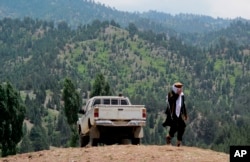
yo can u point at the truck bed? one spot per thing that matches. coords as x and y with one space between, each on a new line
121 112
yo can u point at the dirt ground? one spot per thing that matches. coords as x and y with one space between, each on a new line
122 153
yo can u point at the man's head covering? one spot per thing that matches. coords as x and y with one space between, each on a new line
177 85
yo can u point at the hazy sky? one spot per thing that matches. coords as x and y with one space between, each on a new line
214 8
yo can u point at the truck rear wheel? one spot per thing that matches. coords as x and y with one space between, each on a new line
95 141
136 141
125 141
84 140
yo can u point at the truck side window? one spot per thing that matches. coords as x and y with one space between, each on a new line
114 102
106 101
124 102
96 102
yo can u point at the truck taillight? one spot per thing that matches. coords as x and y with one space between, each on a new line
144 113
96 113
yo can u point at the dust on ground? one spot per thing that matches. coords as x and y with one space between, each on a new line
122 153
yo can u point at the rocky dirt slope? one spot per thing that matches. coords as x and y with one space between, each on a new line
122 153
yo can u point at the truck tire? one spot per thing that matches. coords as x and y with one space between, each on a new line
125 141
95 142
84 140
136 141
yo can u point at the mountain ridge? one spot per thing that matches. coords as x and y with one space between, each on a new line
84 12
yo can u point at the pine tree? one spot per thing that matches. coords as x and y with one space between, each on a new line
71 100
12 113
39 138
100 87
26 145
63 131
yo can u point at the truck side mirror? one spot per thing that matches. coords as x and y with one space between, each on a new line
81 111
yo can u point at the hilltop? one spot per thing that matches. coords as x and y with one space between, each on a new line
122 153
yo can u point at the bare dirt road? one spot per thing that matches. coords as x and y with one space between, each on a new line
122 153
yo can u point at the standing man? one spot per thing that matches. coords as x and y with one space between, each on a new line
177 112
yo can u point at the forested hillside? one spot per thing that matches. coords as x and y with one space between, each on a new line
37 54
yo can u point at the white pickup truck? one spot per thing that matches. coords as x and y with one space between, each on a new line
110 120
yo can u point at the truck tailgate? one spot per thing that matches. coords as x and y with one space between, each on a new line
126 112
